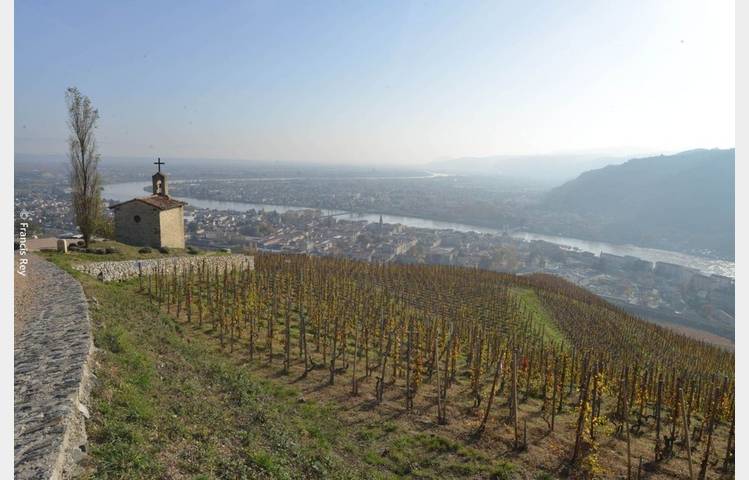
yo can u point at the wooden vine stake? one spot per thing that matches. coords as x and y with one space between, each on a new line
554 394
581 419
729 451
140 277
658 419
710 428
515 394
489 400
626 425
686 432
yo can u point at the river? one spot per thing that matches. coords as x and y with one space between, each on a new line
127 190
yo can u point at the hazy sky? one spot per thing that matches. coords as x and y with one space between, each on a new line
377 82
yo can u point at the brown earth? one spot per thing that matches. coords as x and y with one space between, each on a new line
546 450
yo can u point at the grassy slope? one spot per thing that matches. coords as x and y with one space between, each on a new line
541 317
169 404
124 252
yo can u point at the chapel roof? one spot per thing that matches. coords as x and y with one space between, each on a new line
162 202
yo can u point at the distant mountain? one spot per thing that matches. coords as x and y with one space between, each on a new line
683 201
548 169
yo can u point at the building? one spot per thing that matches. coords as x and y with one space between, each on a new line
155 221
614 263
675 272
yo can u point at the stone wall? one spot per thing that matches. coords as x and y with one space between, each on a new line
123 270
52 380
145 232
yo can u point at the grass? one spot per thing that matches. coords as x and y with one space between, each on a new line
540 315
169 404
433 456
124 252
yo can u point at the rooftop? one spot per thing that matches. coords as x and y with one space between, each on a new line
161 202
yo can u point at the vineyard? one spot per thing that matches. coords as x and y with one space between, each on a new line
506 363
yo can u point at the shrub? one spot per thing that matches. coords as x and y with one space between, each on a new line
164 249
145 250
104 227
111 339
109 250
192 250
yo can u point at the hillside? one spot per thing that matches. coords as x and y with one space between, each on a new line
544 169
309 367
682 201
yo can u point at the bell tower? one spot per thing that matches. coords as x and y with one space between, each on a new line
158 181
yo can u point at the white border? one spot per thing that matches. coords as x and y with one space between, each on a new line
6 220
742 145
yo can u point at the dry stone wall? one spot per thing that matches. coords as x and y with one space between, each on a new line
52 377
123 270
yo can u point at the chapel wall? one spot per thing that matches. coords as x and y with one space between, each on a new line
146 232
173 228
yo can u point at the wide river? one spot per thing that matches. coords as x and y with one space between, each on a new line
125 191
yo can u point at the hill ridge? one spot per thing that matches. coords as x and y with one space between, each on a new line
661 201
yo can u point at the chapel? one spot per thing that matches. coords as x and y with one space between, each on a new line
153 221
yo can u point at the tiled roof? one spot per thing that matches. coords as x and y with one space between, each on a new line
157 201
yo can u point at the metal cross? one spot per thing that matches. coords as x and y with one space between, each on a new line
159 163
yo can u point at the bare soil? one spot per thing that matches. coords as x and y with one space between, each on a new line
546 450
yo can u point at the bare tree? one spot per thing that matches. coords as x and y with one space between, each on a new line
85 181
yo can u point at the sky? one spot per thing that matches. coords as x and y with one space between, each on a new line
386 82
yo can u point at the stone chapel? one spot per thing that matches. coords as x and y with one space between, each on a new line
154 221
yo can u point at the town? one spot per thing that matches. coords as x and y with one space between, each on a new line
662 292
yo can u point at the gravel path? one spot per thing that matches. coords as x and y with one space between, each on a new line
21 299
52 349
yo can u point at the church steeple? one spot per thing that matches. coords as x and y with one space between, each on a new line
159 181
